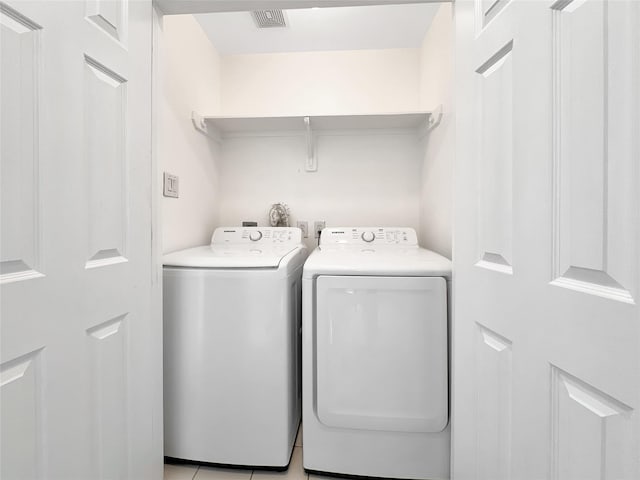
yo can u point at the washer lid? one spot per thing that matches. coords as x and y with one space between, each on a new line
229 256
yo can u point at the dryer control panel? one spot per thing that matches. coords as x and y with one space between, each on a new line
256 235
404 236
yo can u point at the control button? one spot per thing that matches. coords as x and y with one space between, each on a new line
255 236
368 236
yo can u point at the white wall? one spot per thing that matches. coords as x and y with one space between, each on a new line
436 88
317 83
362 179
190 80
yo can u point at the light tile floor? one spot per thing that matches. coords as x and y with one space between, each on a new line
195 472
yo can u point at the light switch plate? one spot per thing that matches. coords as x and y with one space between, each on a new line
170 185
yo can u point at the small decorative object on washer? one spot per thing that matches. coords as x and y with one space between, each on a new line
279 215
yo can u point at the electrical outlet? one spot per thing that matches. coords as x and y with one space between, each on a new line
304 226
318 225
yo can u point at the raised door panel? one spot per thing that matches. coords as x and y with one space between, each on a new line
110 16
106 163
19 161
493 364
596 131
494 120
591 432
21 406
487 10
109 389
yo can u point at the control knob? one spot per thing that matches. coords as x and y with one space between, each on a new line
368 236
255 235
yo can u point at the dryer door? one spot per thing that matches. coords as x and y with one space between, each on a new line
381 346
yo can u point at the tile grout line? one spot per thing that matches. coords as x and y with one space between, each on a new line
195 473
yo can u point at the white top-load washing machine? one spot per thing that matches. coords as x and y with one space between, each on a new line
232 313
375 356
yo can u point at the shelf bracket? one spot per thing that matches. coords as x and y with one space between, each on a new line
435 118
199 123
311 164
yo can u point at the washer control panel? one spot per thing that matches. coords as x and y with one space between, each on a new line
257 235
369 236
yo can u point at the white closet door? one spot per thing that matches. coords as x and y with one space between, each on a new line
547 240
381 347
80 370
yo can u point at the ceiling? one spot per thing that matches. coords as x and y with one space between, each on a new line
322 29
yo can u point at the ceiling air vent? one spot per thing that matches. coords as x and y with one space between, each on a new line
269 18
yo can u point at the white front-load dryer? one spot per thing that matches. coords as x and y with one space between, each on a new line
375 356
232 313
